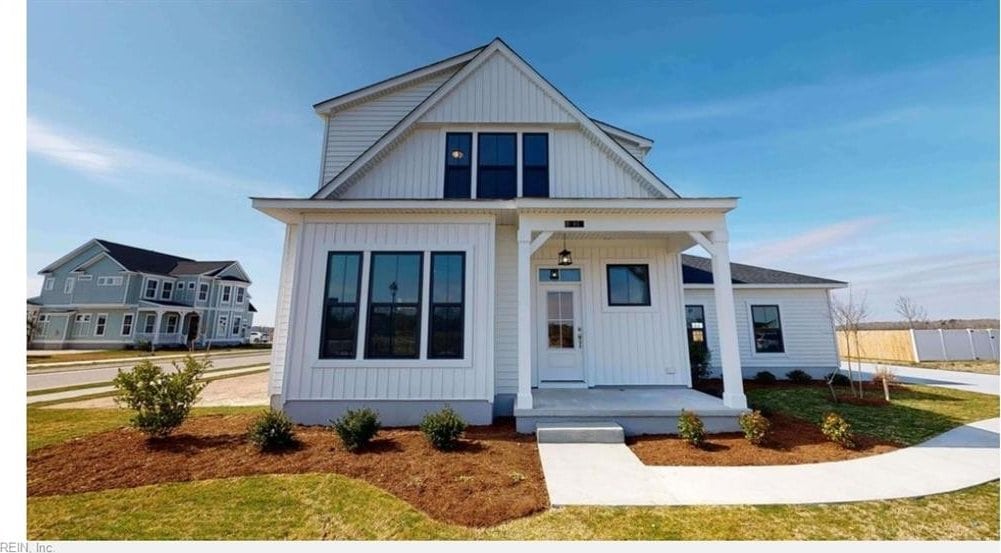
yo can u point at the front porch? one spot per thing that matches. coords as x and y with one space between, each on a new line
638 410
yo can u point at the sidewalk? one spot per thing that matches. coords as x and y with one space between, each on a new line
957 380
610 474
39 368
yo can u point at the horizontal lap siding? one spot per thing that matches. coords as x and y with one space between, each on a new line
353 130
422 380
506 312
806 326
624 345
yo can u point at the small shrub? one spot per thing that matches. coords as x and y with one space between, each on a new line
839 379
799 377
838 430
161 401
884 373
764 377
691 429
272 431
755 427
443 428
357 427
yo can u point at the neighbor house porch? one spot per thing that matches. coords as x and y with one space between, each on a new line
602 335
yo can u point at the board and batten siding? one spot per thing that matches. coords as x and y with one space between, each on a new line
497 92
279 341
309 378
506 311
578 168
351 131
806 329
625 345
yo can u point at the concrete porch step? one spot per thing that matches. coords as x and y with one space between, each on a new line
596 432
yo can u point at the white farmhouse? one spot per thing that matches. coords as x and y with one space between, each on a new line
477 241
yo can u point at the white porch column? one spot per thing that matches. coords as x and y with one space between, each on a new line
733 382
156 327
524 400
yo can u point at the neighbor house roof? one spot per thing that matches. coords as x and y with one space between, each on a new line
251 308
698 270
140 260
199 267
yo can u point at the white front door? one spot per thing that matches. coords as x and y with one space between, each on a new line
561 357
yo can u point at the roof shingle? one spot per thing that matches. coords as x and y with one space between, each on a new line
698 270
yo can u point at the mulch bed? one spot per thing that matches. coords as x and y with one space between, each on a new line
791 441
494 476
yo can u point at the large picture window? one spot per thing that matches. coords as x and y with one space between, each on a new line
628 285
394 305
458 164
339 334
767 329
446 313
535 165
496 166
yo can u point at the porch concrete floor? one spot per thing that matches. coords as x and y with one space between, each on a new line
612 401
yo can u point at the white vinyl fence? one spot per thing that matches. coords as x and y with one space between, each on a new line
955 345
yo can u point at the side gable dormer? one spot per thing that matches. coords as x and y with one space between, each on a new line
496 91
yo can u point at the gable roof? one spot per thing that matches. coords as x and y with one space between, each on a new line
208 268
698 270
498 46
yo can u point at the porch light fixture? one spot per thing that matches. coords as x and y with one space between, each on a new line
456 154
564 256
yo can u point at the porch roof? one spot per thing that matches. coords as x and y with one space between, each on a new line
290 210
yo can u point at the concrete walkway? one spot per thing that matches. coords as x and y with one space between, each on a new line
610 474
958 380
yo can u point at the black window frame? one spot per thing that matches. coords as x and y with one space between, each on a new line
461 305
326 306
608 284
451 168
526 168
688 324
754 329
481 169
373 305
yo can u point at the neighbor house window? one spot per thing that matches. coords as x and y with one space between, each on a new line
767 329
43 326
68 287
109 281
127 324
150 291
225 294
458 164
191 285
83 278
150 325
236 325
203 292
446 312
628 285
496 166
80 323
339 332
168 289
535 165
99 326
171 324
239 295
50 283
394 305
221 329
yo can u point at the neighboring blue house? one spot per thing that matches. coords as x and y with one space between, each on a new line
104 295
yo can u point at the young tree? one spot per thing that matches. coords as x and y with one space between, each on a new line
849 313
910 311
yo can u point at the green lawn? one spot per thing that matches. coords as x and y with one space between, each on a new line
327 506
915 414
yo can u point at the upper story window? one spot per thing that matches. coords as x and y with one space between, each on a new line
496 166
150 291
628 285
50 283
240 293
168 289
458 164
203 292
109 281
225 294
535 165
68 287
767 329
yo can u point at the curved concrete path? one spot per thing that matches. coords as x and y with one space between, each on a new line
957 380
610 474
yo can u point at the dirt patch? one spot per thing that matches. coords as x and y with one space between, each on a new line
791 441
494 476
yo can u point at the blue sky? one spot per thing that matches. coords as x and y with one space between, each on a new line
862 138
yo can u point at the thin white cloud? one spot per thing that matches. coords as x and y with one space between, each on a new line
808 242
97 158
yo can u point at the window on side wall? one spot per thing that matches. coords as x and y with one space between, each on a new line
150 325
168 289
240 294
496 166
203 292
68 287
150 291
628 285
225 294
394 305
767 329
236 326
458 164
50 283
535 165
339 327
127 324
100 325
447 308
